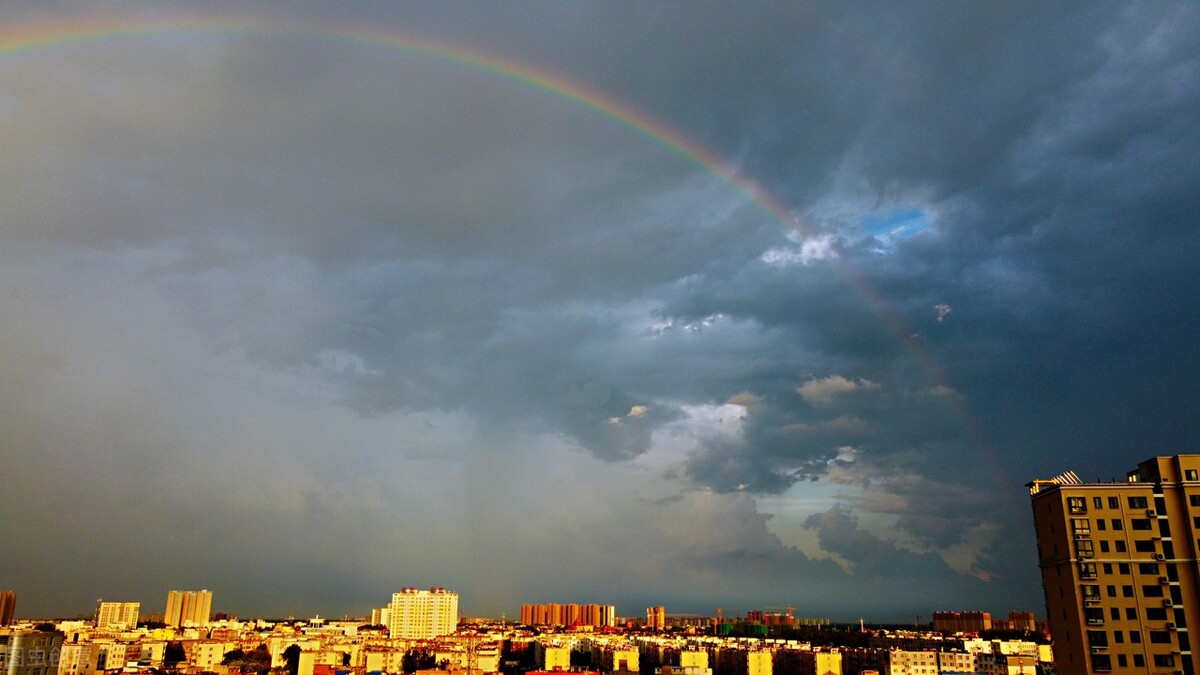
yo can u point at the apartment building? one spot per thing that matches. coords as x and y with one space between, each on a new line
8 606
118 615
188 608
421 615
1119 567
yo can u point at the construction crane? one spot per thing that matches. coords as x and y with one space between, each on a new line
789 609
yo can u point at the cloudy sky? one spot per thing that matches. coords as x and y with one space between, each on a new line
636 303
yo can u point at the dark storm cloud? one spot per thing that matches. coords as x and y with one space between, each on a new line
274 301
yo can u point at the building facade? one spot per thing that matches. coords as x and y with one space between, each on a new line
188 608
568 615
1119 567
118 615
29 652
8 606
656 617
422 615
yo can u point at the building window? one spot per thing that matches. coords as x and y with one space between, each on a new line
1152 591
1135 637
1100 524
1194 500
1138 660
1117 524
1079 504
1097 638
1148 568
1122 568
1120 545
1144 546
1164 660
1083 526
1101 663
1190 474
1110 591
1092 591
1108 568
1139 524
1160 637
1118 637
1083 548
1097 502
1137 502
1131 613
1115 613
1087 570
1156 614
1127 591
1104 547
1114 503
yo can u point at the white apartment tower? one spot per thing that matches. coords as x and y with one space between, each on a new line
118 615
188 608
422 615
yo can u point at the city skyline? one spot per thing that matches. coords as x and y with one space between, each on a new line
660 305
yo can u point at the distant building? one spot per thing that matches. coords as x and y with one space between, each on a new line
656 617
1018 621
961 622
1119 567
569 615
422 615
381 616
118 615
188 608
8 605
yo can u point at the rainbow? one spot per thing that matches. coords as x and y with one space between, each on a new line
31 37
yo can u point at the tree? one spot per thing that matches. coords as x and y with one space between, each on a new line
417 659
173 654
291 659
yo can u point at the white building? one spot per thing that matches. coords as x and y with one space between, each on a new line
118 615
422 615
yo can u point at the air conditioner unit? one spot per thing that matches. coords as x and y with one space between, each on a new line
1170 626
1159 556
1080 535
1168 603
1163 580
1151 513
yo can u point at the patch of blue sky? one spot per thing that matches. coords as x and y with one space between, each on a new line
896 225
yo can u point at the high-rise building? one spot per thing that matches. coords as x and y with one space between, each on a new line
962 622
569 615
1119 567
422 615
118 615
8 605
656 617
188 608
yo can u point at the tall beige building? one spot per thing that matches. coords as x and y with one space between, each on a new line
421 615
188 608
8 606
656 617
1119 566
118 615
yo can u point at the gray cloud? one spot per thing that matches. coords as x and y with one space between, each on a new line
277 306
